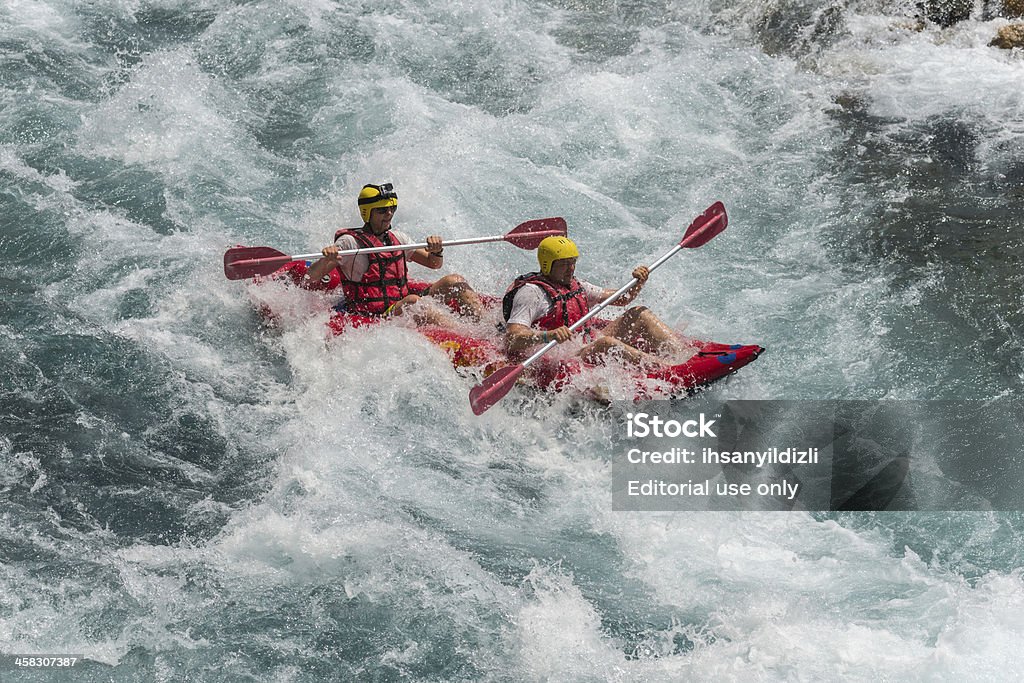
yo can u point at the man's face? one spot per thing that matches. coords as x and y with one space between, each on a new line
562 271
380 219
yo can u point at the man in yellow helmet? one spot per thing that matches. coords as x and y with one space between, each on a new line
541 306
378 284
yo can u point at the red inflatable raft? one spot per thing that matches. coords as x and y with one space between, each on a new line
710 362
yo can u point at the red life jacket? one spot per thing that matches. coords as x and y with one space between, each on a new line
568 304
385 281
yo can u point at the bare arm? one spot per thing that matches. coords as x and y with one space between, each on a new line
520 337
641 273
324 265
432 257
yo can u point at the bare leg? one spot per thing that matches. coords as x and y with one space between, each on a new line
595 352
641 327
422 315
455 287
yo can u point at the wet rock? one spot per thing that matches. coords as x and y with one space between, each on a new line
1013 8
1009 37
799 27
945 13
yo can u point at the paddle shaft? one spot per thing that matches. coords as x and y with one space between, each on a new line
604 304
421 245
242 262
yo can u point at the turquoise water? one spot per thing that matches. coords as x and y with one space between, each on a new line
188 493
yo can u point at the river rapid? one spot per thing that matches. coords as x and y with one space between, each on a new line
188 494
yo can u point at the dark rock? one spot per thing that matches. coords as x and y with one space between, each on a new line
799 27
1013 8
945 13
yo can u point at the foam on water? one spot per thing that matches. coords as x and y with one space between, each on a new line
916 74
188 489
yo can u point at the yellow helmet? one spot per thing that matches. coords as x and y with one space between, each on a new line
376 197
552 249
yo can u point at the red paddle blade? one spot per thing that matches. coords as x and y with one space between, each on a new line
245 262
705 226
528 235
494 388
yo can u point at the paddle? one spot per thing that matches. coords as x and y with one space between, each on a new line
499 383
246 262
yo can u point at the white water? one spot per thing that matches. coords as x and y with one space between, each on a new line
336 509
